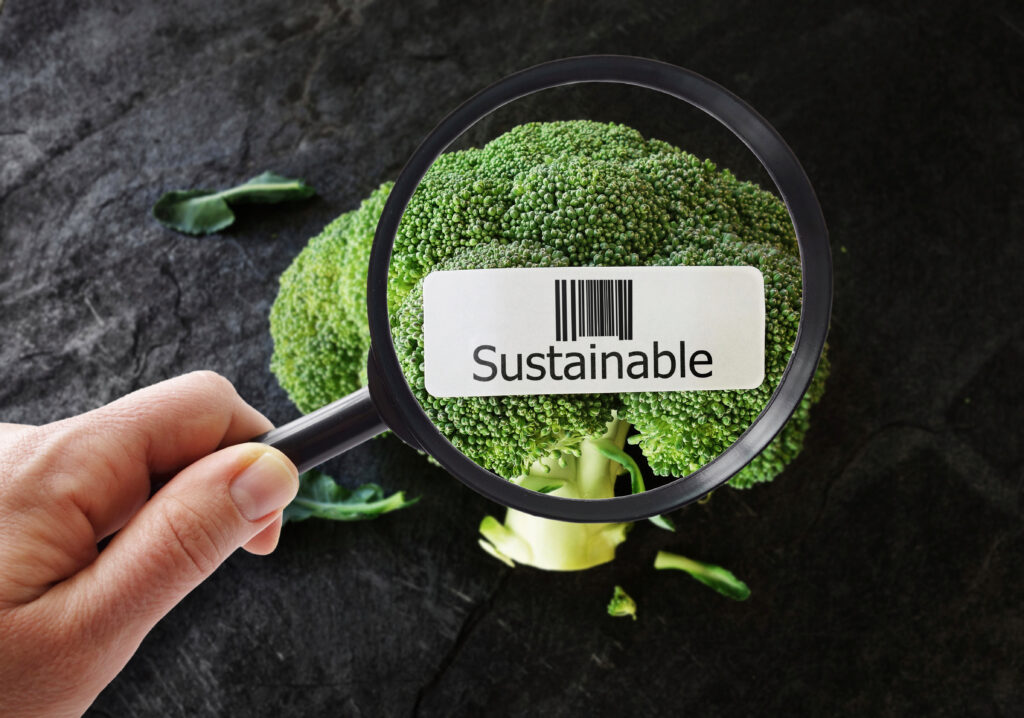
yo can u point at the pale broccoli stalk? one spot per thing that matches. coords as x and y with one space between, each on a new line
562 545
553 195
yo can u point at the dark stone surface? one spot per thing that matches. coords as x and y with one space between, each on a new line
885 564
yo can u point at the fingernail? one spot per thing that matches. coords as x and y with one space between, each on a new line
266 485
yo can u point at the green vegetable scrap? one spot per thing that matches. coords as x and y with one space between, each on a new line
622 604
550 195
321 497
200 211
718 578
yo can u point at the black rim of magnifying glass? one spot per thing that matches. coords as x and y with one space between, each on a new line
815 263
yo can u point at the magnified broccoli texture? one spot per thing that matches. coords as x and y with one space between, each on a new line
545 195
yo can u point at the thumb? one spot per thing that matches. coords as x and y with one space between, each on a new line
181 535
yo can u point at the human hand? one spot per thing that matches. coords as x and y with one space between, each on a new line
71 616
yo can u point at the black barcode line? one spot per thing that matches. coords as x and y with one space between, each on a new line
609 302
620 308
583 315
565 323
558 310
591 294
620 314
608 309
593 308
572 293
579 294
629 310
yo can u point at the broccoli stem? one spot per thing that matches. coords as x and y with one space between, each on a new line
716 577
562 545
597 465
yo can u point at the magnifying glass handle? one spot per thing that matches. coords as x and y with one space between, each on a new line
327 432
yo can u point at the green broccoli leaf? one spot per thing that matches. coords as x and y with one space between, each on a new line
716 577
200 211
321 497
622 604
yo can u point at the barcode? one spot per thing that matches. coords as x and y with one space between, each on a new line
593 308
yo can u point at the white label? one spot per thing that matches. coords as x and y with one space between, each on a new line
573 330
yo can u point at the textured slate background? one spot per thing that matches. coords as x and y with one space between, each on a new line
885 564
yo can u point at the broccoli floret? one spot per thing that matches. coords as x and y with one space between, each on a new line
546 195
679 432
318 321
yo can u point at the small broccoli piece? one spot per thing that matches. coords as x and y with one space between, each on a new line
716 577
621 604
547 195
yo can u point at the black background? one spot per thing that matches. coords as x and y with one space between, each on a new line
884 564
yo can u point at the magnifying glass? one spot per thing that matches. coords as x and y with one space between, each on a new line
592 316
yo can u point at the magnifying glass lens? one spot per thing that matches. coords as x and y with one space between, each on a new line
574 302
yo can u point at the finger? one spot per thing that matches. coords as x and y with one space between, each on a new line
173 423
177 539
10 430
266 540
159 429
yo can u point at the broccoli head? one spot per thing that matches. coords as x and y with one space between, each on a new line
548 195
